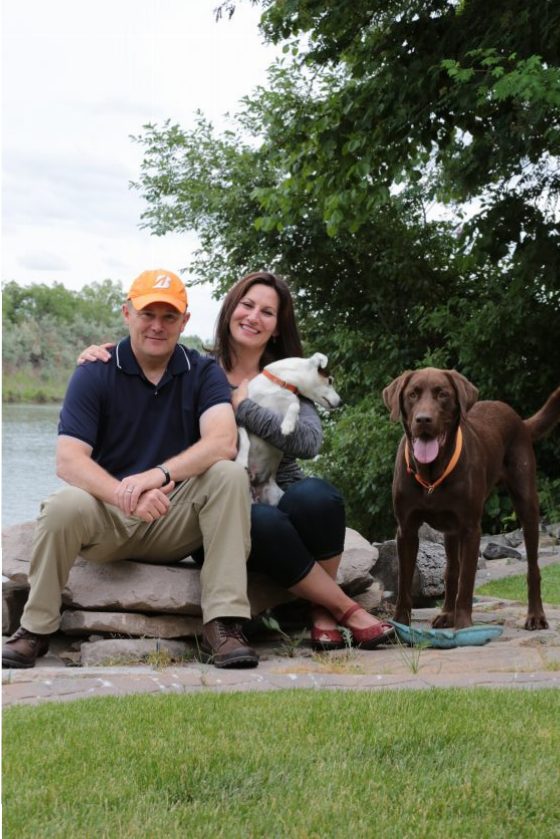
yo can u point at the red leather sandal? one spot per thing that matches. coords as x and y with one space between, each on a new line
369 637
326 639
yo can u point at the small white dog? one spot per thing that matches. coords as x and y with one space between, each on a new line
278 388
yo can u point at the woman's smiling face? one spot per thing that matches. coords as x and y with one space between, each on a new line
255 318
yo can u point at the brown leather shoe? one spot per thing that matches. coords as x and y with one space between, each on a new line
224 645
24 648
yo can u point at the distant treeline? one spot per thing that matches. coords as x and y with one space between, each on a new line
43 330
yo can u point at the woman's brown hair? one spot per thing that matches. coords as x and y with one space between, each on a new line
285 345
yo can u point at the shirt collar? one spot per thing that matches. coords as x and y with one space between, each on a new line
126 360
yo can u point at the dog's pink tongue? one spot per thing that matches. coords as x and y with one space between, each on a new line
425 450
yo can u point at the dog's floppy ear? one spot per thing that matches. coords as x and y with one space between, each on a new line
392 394
319 360
467 393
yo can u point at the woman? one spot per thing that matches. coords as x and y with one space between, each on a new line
299 543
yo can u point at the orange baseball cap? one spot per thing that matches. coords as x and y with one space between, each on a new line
158 286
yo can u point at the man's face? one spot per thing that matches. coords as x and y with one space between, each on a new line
154 330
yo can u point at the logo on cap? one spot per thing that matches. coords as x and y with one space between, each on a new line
164 281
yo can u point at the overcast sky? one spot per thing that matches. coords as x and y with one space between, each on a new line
77 80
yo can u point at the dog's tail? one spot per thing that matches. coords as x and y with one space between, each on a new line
544 420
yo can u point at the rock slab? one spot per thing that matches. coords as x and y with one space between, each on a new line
138 596
76 622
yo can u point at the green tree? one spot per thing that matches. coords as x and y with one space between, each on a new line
461 97
100 301
37 301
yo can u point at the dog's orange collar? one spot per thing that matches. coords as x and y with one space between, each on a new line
448 469
280 382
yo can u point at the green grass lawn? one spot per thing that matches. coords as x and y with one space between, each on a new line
515 588
301 764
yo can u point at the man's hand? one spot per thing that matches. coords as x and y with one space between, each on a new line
153 504
133 488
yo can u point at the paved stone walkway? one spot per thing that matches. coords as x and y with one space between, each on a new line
518 659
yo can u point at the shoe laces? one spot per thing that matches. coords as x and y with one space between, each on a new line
22 632
231 630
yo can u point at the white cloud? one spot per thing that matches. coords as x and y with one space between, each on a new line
77 82
43 261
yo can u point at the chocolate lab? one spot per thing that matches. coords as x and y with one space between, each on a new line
454 451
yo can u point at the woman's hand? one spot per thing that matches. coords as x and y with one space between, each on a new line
95 352
239 394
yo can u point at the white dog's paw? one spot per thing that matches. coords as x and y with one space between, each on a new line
270 493
290 419
287 427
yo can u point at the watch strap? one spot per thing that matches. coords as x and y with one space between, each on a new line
165 471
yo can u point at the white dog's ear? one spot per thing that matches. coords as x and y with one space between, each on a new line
319 360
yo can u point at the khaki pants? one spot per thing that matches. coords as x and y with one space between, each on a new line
212 510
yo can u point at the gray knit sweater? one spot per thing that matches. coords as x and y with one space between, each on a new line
304 442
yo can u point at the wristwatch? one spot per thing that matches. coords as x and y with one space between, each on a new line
165 471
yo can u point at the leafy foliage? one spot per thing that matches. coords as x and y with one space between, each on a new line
99 302
471 88
358 456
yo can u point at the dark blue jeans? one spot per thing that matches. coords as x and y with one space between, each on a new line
308 524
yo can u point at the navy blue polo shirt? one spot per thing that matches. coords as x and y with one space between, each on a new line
132 424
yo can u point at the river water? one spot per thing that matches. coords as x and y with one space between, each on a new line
28 459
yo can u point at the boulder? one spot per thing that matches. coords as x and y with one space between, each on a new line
17 542
428 580
354 571
371 598
549 536
553 532
514 538
495 550
429 534
13 601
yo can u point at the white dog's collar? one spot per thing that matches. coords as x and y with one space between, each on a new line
280 382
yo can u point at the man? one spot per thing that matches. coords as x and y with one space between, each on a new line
146 443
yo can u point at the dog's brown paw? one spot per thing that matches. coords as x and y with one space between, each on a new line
445 620
536 622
